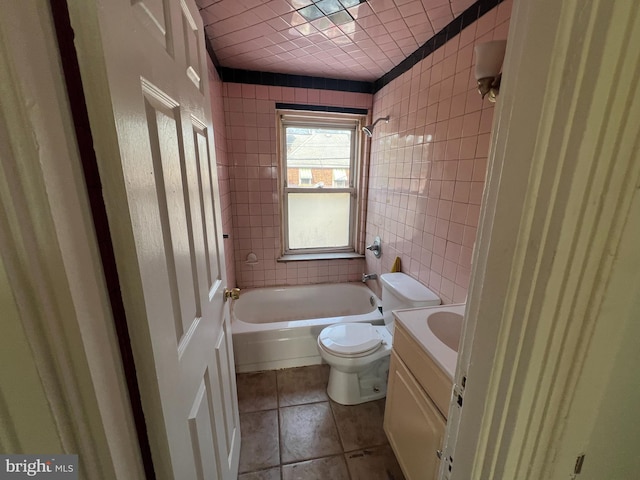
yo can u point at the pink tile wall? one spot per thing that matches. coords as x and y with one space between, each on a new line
222 163
428 164
253 168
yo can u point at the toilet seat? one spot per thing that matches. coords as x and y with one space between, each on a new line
350 339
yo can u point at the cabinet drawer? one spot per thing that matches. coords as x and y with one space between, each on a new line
430 377
413 424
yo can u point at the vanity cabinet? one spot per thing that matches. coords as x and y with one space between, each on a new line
417 401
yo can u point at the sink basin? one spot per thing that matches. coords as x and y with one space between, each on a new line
447 327
437 330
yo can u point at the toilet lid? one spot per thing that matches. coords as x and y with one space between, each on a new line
350 338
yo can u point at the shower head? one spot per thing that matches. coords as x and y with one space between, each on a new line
368 130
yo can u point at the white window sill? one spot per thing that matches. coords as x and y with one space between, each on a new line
319 256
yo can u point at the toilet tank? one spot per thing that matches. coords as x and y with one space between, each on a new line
402 291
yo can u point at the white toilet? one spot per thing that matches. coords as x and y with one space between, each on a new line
358 353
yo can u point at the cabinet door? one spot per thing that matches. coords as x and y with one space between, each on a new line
413 424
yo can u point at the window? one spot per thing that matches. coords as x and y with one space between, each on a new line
305 177
319 160
340 177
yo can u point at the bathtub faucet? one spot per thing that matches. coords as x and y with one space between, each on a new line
369 276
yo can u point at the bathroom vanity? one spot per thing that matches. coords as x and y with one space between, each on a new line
423 360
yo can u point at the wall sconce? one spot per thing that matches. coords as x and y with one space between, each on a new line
489 58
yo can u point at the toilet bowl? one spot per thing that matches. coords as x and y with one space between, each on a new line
359 353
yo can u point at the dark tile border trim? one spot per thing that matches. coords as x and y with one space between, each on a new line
321 108
470 15
288 80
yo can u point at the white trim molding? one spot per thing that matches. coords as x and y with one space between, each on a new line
564 167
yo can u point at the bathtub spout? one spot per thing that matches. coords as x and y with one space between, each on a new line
369 276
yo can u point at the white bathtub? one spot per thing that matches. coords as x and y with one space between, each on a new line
278 327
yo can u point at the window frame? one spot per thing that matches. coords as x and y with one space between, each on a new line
313 119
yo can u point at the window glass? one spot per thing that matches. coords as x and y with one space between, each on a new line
319 220
313 154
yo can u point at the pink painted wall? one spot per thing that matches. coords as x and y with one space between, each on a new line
428 164
222 163
253 168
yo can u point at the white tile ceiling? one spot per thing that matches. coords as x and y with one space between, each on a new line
274 36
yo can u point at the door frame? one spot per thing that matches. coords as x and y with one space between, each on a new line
553 239
52 269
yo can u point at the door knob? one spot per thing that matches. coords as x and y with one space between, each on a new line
232 293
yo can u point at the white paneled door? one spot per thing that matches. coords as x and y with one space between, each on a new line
144 72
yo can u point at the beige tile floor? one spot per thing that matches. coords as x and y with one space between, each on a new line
292 431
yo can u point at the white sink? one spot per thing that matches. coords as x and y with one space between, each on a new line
437 330
447 327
